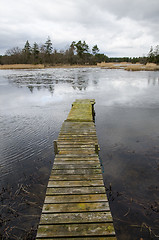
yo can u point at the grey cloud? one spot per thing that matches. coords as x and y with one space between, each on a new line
117 26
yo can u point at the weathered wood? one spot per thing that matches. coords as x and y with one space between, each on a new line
72 230
88 183
77 162
76 171
55 147
76 205
80 217
77 157
76 198
83 238
74 190
76 166
69 177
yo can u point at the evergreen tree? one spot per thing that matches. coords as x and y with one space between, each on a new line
35 52
95 49
48 46
81 48
48 50
26 52
151 55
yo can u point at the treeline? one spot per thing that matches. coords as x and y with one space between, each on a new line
77 53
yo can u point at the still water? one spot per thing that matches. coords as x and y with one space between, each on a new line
33 105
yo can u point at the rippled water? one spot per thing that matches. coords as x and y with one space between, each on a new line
33 105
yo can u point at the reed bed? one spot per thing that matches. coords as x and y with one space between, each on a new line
22 66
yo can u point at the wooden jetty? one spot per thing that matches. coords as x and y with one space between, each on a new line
76 206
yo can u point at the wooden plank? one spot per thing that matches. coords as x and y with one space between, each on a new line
76 166
82 146
77 177
73 230
76 198
87 183
75 207
83 238
71 151
76 171
75 143
77 157
76 139
80 217
74 190
72 162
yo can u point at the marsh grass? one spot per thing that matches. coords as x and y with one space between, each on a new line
42 66
129 66
141 67
22 66
123 65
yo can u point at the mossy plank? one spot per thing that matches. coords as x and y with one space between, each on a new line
76 151
76 171
77 177
74 135
75 207
77 157
76 198
82 146
83 133
83 238
87 183
74 230
74 190
81 217
78 139
78 162
76 166
75 143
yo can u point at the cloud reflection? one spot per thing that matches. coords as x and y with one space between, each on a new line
110 88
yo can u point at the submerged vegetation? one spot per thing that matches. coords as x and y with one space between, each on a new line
78 53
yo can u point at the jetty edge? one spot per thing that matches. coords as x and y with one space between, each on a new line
76 205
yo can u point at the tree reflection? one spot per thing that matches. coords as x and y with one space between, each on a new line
78 79
153 81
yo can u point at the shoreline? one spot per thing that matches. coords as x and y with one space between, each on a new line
130 66
125 66
42 66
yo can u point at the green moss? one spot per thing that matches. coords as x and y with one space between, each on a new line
110 228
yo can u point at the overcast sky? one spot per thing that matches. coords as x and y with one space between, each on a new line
118 27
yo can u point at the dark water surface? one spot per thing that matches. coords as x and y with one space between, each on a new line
33 105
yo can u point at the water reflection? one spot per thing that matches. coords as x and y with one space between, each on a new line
39 80
153 81
34 103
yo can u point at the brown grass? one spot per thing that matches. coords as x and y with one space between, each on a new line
71 66
141 67
41 66
122 65
113 65
129 67
21 66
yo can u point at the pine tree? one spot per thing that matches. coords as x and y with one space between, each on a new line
35 52
26 52
48 46
95 49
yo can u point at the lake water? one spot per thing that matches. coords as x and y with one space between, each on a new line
33 105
